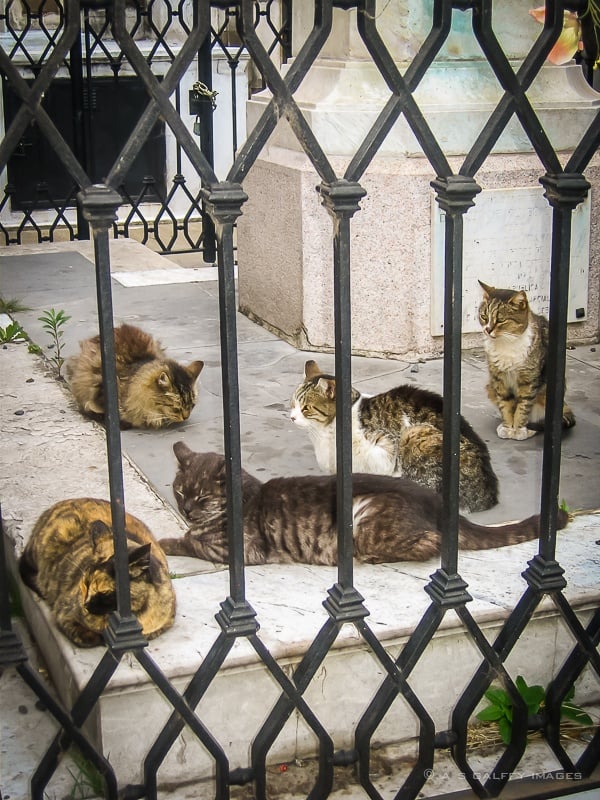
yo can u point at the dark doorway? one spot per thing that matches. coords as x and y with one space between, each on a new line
35 173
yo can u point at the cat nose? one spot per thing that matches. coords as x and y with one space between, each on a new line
188 507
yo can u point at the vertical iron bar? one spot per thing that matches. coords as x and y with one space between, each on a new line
88 126
341 200
557 313
453 247
79 126
231 408
100 205
206 140
343 373
233 65
224 201
343 402
455 196
564 192
286 30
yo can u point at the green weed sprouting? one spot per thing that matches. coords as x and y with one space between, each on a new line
53 323
500 707
12 333
12 306
87 781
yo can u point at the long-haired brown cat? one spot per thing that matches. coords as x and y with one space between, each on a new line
69 561
294 519
154 391
516 346
397 432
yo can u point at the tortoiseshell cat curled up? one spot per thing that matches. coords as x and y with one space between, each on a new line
294 519
397 432
154 391
69 561
516 346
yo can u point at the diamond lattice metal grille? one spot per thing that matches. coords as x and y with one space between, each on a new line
341 195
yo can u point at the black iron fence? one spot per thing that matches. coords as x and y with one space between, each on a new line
162 202
565 188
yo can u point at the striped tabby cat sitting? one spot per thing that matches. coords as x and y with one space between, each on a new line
516 346
397 432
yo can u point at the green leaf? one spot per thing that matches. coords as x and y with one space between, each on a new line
12 332
490 714
576 714
505 728
533 696
499 697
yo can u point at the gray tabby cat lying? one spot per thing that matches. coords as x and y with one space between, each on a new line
294 519
397 432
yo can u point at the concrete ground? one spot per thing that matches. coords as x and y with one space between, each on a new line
184 316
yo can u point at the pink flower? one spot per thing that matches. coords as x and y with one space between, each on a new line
568 41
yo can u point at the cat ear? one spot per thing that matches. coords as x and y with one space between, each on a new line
139 558
487 290
194 369
99 533
221 473
163 380
182 453
327 386
311 370
519 300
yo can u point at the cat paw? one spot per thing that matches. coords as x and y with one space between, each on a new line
523 433
519 434
504 432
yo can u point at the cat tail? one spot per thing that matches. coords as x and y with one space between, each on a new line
132 344
28 570
177 547
472 536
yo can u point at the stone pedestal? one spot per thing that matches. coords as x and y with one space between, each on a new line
285 236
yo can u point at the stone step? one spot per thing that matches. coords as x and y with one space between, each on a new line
288 603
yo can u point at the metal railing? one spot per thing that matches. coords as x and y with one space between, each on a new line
168 217
564 189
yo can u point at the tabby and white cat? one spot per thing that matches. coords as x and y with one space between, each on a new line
69 562
516 346
154 391
397 432
294 519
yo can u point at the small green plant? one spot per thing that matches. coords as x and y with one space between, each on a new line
500 707
87 781
12 333
12 306
53 323
563 506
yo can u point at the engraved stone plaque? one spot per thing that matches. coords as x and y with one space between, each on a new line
507 242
